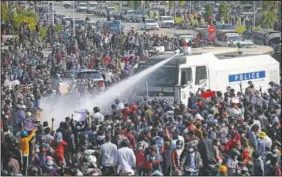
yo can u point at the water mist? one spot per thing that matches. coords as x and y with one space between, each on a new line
63 106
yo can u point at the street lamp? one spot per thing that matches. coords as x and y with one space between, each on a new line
73 21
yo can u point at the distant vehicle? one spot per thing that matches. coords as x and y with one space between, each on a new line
81 7
247 10
128 15
149 24
187 37
101 10
226 38
203 38
92 6
266 37
138 15
116 26
79 22
225 27
166 22
67 4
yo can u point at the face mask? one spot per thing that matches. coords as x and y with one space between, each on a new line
178 146
139 148
190 149
152 158
218 144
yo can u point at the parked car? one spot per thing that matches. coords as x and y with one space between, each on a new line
81 7
166 22
138 15
149 24
128 15
92 6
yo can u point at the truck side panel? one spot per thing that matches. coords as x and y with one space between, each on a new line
260 77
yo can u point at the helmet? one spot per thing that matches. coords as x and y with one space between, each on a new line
28 114
24 133
96 109
117 101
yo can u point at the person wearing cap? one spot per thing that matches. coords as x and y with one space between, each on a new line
222 170
264 144
107 151
24 147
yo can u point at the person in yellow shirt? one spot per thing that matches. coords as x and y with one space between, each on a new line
24 148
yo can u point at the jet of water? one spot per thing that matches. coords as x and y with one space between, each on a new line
62 107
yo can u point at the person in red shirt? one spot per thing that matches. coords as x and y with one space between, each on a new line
235 139
149 160
58 144
140 159
131 138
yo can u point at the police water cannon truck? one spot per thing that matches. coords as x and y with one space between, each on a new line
209 68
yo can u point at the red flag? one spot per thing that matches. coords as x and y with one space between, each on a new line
208 94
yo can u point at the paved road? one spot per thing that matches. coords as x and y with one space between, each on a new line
80 15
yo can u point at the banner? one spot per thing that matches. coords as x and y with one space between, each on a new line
208 94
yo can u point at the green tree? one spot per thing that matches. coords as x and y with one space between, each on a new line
268 18
208 11
182 3
170 6
137 5
223 12
131 4
269 13
4 12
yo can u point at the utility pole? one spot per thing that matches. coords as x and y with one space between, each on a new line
73 21
174 10
254 14
53 18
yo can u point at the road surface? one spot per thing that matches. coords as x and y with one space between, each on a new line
127 25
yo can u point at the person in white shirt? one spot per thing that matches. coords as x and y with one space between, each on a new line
109 77
97 116
120 105
125 159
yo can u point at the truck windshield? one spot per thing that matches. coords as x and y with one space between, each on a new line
167 18
151 21
163 77
111 9
89 75
82 5
233 38
93 5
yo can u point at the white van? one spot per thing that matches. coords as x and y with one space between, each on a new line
188 73
92 6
